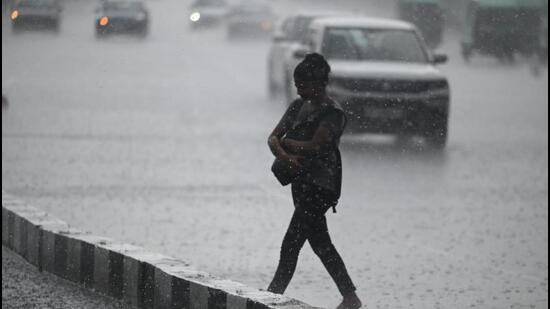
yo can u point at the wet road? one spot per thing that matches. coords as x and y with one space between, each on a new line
162 142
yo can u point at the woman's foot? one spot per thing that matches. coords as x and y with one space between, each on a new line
351 301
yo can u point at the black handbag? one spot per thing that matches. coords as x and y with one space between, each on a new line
285 172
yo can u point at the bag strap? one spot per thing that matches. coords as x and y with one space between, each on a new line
296 112
323 114
329 111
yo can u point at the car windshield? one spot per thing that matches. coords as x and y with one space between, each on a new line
374 45
36 3
123 6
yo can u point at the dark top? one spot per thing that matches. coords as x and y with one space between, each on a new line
325 169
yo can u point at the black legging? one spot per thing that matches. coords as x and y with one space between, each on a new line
309 223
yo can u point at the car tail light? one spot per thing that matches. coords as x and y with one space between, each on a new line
104 21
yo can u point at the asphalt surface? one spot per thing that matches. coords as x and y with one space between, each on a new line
161 142
23 286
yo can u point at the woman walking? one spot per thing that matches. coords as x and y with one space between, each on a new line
306 140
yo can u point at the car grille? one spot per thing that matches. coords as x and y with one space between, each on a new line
388 86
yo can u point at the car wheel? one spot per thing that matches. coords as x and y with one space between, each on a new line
437 134
143 33
467 53
15 28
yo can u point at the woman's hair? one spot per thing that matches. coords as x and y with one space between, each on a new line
313 68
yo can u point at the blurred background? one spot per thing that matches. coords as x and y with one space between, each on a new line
148 122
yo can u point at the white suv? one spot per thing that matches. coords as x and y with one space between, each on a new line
290 35
384 76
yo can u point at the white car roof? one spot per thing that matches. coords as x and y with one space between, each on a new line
363 22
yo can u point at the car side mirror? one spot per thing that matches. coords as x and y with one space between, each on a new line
440 59
301 53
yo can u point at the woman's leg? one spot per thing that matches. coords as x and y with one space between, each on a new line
292 244
321 244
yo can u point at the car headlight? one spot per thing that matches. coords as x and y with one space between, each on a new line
14 15
195 17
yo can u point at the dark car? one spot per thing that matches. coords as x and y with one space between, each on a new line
36 14
504 28
119 16
208 12
250 19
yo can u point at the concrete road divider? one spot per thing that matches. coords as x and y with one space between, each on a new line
142 279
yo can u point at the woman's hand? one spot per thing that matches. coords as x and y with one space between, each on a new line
295 161
286 143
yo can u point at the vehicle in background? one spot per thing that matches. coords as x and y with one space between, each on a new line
208 12
427 15
36 15
503 28
384 76
121 16
251 19
289 35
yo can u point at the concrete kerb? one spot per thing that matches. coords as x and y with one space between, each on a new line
138 278
142 279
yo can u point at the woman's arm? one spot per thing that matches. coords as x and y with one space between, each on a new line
274 140
323 138
276 148
327 134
